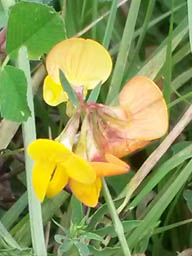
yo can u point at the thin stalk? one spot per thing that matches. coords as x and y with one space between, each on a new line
116 221
29 135
168 64
106 40
189 5
6 236
123 51
110 24
7 4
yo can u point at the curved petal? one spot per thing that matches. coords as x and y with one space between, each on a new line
41 176
114 160
57 182
79 169
44 149
123 147
144 105
111 143
83 61
103 169
53 93
87 194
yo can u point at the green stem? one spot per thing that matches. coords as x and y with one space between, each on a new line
116 221
110 24
6 236
143 29
94 17
123 51
29 135
7 4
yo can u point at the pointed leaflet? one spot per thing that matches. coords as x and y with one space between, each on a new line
13 94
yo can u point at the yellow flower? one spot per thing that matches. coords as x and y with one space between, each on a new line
56 166
84 62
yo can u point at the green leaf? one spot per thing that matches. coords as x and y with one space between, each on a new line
77 211
82 248
92 236
68 88
38 27
187 194
13 93
127 226
107 251
93 96
66 246
59 239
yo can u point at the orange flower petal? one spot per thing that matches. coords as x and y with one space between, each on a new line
123 147
103 169
114 160
143 103
87 194
83 61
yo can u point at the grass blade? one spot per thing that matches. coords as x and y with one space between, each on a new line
29 135
168 64
189 4
123 51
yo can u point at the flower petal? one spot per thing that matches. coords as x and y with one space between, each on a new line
53 93
88 194
44 149
143 103
83 61
103 169
41 176
79 169
114 160
113 144
58 182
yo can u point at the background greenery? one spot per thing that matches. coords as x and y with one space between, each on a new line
149 37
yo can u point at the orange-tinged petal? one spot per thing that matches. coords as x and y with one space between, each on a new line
143 103
57 182
87 194
83 61
103 169
114 160
41 176
44 149
112 143
79 169
123 147
53 93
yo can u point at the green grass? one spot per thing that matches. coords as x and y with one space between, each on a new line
144 211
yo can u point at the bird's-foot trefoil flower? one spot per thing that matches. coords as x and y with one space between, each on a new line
96 135
85 63
56 166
